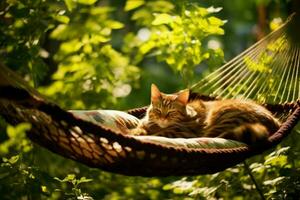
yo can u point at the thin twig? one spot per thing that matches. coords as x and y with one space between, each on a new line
259 190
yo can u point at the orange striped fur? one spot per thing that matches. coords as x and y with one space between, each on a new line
173 115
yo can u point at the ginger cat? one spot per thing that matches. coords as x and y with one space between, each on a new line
173 115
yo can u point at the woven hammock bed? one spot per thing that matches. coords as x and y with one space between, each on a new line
267 72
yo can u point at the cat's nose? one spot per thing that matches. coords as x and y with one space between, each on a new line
165 121
163 116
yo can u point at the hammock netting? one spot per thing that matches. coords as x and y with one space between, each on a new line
267 72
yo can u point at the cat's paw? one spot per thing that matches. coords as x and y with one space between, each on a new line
138 131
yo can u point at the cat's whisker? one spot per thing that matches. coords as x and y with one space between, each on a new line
170 115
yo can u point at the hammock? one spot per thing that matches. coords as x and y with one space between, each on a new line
267 72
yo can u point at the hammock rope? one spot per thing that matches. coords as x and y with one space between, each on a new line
268 71
95 146
80 135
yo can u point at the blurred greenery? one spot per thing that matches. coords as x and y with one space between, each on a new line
88 54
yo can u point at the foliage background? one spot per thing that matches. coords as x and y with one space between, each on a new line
88 54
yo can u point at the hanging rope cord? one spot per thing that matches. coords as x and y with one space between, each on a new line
268 71
98 146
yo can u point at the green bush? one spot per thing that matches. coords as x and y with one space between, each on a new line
88 54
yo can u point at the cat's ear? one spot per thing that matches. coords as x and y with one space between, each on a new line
183 96
155 93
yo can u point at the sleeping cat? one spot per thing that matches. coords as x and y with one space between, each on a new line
174 115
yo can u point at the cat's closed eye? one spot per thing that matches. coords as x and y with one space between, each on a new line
171 113
156 110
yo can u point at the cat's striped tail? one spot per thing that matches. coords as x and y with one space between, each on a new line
251 134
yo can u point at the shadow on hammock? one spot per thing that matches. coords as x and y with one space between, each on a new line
94 138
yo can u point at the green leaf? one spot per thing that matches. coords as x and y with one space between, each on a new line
103 10
17 130
215 21
4 159
59 31
13 159
70 177
178 190
283 151
62 18
58 179
96 39
86 2
168 187
145 48
277 161
213 9
115 25
70 46
202 11
162 19
70 4
275 181
44 188
11 2
84 180
132 4
257 167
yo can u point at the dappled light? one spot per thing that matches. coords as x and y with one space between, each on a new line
75 79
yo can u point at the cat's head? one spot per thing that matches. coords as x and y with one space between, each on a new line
167 109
